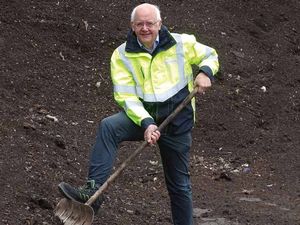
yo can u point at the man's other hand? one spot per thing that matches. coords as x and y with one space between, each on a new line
202 82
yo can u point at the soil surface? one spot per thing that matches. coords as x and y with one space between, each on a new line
55 87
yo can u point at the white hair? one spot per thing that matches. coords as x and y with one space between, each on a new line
156 8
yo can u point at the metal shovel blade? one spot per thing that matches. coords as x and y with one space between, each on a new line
74 213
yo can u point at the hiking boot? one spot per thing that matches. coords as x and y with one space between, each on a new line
82 194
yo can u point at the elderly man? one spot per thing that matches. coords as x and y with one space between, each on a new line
152 74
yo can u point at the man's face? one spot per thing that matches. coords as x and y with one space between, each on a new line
146 26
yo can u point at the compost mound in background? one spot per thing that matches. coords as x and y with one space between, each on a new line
55 88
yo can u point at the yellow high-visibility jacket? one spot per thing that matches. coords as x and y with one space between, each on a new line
150 86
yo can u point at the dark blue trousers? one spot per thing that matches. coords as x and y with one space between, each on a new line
174 151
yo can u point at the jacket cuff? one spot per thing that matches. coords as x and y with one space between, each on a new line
146 122
208 72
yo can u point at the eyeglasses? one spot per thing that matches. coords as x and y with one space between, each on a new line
148 24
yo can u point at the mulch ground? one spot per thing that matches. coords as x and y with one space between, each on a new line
245 155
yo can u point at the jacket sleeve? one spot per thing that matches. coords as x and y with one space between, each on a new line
202 55
125 93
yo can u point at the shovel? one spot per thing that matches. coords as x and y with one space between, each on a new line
76 213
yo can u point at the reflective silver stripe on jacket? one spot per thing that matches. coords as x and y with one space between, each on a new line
132 104
180 57
125 89
137 90
209 55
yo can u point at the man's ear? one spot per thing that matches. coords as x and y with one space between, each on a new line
132 26
160 23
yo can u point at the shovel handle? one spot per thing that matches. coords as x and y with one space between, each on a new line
139 149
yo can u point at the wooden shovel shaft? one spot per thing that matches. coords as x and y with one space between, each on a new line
138 150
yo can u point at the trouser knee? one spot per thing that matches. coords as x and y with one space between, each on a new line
182 194
106 127
106 123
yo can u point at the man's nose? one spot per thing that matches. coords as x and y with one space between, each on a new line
145 27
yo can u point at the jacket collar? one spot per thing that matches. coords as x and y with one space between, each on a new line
166 41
